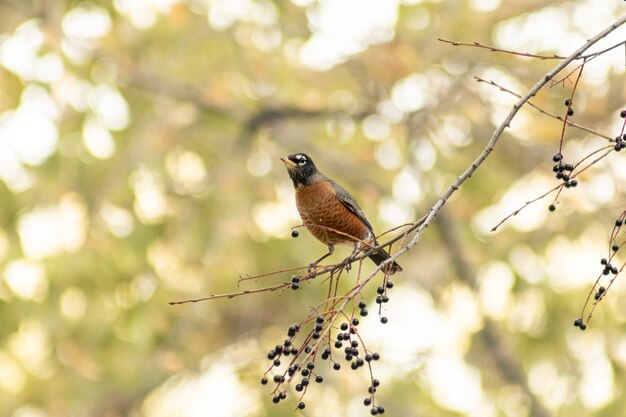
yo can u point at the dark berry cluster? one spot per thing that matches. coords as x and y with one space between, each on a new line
295 282
579 323
620 143
608 268
382 297
599 293
563 171
568 104
300 362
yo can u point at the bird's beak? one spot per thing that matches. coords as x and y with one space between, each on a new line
288 162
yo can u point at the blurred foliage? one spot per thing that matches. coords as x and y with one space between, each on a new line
139 164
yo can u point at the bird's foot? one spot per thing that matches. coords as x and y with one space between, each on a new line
347 263
312 266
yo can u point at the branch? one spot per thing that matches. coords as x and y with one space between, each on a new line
498 133
547 113
494 49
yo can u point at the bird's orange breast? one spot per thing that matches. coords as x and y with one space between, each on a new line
326 217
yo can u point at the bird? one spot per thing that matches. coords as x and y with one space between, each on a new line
330 213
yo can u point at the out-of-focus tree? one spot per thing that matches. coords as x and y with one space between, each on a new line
139 164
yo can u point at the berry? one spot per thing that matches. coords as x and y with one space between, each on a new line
603 261
319 379
304 372
336 366
385 299
619 222
375 356
354 366
294 233
369 357
374 411
308 349
310 365
601 290
367 402
573 183
615 247
305 382
299 387
551 207
363 312
338 344
375 382
301 405
557 157
319 320
279 378
384 320
389 284
578 322
344 326
295 285
567 102
276 362
381 409
295 278
355 321
380 290
263 381
622 114
276 400
362 304
570 111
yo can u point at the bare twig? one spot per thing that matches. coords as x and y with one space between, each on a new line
498 133
547 113
495 49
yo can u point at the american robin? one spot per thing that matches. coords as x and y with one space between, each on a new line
329 212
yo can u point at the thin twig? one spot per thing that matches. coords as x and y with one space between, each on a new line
547 113
504 51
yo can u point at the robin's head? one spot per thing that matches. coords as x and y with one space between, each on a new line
301 168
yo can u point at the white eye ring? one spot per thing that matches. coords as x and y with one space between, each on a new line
301 159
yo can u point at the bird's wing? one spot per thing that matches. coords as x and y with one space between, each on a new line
351 204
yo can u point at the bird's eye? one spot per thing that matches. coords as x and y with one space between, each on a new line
301 159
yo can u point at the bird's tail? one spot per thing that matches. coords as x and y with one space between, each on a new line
381 256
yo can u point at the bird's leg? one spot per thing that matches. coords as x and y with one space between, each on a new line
348 261
313 265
